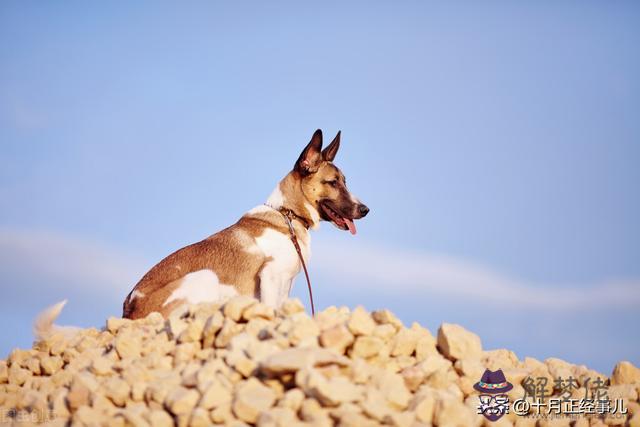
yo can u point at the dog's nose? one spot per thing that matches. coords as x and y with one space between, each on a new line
363 209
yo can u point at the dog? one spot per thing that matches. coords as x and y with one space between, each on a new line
257 255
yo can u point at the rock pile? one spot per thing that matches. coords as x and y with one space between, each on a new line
242 363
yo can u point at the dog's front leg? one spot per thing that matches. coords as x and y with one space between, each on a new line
274 288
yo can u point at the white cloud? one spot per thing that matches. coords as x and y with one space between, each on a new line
67 261
417 273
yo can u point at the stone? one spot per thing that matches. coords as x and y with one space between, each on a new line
455 342
260 350
181 400
259 310
102 366
216 394
625 373
471 368
85 415
434 363
385 331
277 417
175 325
530 363
303 328
354 419
58 401
228 331
4 372
234 308
516 375
18 375
499 359
242 364
292 399
127 345
623 391
183 353
423 405
366 346
211 327
294 359
413 377
360 322
117 390
393 389
32 364
78 395
311 411
337 338
48 364
222 414
199 418
329 391
400 419
330 317
114 324
138 389
450 412
251 399
291 306
160 418
193 332
101 403
425 346
387 317
404 343
375 405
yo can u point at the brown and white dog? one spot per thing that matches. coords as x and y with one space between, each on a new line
255 256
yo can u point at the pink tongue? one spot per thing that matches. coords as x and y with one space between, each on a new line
351 225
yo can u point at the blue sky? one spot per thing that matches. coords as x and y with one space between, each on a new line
497 145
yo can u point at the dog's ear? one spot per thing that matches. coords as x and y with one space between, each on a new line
330 152
311 156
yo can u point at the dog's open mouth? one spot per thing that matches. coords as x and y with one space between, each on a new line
338 220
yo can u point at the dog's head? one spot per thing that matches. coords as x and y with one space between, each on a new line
324 185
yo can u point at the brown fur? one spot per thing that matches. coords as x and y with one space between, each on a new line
222 252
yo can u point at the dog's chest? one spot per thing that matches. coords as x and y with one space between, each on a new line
283 263
282 254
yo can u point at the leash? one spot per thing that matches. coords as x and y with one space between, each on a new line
286 213
294 239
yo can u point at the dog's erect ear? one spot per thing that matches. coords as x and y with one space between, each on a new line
311 156
330 152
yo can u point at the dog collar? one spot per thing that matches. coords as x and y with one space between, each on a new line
291 215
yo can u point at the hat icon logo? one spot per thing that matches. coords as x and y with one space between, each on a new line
494 402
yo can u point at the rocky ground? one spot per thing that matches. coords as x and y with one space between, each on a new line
243 363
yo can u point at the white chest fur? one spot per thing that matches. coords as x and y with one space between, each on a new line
278 273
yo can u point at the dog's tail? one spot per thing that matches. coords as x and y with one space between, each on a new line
44 328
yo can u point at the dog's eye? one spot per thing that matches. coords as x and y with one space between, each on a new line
333 182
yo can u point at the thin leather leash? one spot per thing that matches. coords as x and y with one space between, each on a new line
287 214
